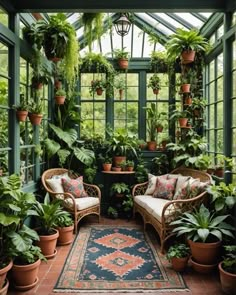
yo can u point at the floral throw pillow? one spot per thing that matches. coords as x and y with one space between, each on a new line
165 188
74 186
152 179
190 189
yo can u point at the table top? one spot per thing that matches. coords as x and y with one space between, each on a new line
118 172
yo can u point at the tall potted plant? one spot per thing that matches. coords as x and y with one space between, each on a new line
152 115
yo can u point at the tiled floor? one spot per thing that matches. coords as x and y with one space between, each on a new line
197 283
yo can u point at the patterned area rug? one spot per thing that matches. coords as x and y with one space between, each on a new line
117 259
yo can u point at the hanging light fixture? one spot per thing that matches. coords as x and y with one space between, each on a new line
122 25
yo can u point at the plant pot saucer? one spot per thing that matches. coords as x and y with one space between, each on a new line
27 287
51 255
66 243
202 268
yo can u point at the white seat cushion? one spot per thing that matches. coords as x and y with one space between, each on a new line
83 203
153 206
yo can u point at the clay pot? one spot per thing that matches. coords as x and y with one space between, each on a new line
155 91
183 122
129 168
48 244
117 160
187 56
4 289
65 235
25 277
159 129
99 91
219 172
60 100
151 145
3 273
179 264
205 253
35 119
202 268
106 166
21 115
117 169
227 280
123 63
185 88
210 171
188 100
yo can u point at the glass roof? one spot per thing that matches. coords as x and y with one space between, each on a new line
138 42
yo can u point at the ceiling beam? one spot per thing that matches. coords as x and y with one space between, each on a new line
120 6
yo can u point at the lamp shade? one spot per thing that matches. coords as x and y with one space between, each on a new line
122 25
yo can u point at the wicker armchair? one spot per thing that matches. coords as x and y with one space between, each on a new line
91 190
172 209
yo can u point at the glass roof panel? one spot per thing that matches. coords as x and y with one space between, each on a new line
169 19
190 19
137 42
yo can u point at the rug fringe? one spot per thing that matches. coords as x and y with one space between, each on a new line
156 291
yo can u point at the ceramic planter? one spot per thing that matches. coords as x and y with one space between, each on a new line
117 169
25 277
117 160
187 56
65 235
151 145
129 168
4 289
21 115
183 122
48 244
185 88
227 280
99 91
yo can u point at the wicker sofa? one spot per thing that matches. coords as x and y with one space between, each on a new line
161 212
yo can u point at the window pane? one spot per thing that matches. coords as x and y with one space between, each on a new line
212 71
220 89
3 92
212 93
219 120
219 146
212 116
211 140
233 113
3 17
220 65
3 59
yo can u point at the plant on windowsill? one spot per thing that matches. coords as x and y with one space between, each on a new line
129 165
178 255
122 58
154 83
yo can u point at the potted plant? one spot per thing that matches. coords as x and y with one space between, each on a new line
160 164
65 226
181 116
98 86
185 44
60 96
129 165
127 205
154 83
119 189
227 269
198 106
47 215
36 112
222 162
204 231
112 212
120 84
21 110
33 34
122 57
107 164
178 255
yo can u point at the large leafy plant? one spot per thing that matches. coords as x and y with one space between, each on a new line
203 226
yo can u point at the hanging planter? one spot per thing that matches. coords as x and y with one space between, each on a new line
188 100
155 91
154 83
185 88
35 119
123 63
183 122
187 56
99 91
122 58
97 86
21 115
60 96
35 113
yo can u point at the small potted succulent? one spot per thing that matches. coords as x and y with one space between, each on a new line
178 255
60 96
122 57
154 83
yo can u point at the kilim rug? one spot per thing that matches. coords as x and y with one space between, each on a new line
117 259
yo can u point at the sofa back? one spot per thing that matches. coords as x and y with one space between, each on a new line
203 176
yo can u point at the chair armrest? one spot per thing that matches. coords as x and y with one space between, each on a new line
173 209
92 190
139 189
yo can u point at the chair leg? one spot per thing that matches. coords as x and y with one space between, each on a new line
75 225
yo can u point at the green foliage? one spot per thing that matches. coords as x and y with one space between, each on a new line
141 173
120 188
36 107
178 251
223 161
112 212
97 63
159 62
121 53
129 163
42 69
154 82
97 84
160 164
33 34
64 220
229 260
22 105
202 226
89 174
119 82
60 92
128 203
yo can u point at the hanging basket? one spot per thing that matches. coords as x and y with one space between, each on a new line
123 63
99 91
155 91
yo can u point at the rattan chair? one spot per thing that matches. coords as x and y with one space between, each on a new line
92 191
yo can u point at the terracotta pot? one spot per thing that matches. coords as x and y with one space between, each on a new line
37 85
57 84
219 172
3 273
202 268
99 91
227 280
65 235
179 264
21 115
60 99
4 289
205 253
35 119
155 91
188 100
183 122
185 88
210 171
123 63
106 166
159 128
48 244
118 159
25 277
121 93
117 169
187 56
151 145
129 168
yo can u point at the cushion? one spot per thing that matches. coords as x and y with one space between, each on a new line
74 186
180 182
60 176
165 188
169 176
190 189
55 185
82 203
152 179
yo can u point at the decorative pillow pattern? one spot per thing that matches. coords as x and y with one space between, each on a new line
165 188
152 179
75 187
180 182
55 185
190 189
60 176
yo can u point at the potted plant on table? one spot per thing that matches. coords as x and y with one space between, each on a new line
122 57
21 110
185 44
154 83
130 165
65 226
178 255
204 231
227 269
107 164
